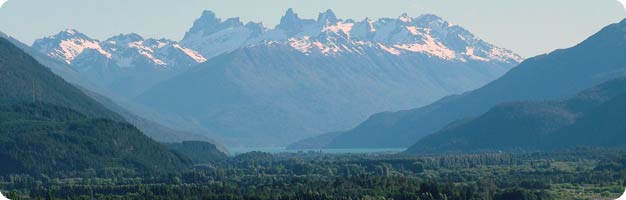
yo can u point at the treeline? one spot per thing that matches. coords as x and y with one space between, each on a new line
43 138
271 188
262 176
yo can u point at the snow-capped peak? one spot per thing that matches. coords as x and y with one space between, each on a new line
67 45
427 35
124 50
210 36
132 50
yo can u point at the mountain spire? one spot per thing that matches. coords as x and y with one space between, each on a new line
290 22
208 21
290 19
327 17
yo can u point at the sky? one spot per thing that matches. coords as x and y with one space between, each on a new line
528 27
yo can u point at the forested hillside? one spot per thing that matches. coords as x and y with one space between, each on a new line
49 126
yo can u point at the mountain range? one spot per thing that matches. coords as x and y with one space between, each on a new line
126 64
328 35
591 118
556 75
270 87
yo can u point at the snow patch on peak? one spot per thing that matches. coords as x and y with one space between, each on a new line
470 52
390 50
67 45
328 48
191 53
159 52
405 18
325 46
372 25
504 55
413 30
429 46
303 45
70 49
340 26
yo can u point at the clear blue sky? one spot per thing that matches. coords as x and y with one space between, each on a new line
528 27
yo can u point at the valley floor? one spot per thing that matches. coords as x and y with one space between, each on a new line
576 174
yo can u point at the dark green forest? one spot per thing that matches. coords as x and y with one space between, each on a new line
41 138
198 152
582 173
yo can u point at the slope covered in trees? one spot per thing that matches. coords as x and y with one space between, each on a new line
47 125
43 138
199 152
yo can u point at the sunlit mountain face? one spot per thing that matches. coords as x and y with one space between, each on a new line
269 87
329 36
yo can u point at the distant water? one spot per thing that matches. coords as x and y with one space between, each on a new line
275 150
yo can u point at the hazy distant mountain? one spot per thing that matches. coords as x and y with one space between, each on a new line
152 129
126 64
592 118
316 142
558 74
47 125
306 77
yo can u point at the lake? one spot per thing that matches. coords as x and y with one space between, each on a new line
275 150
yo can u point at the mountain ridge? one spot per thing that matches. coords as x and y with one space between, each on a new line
127 64
555 75
538 126
211 36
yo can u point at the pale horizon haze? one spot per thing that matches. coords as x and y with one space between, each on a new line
528 27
